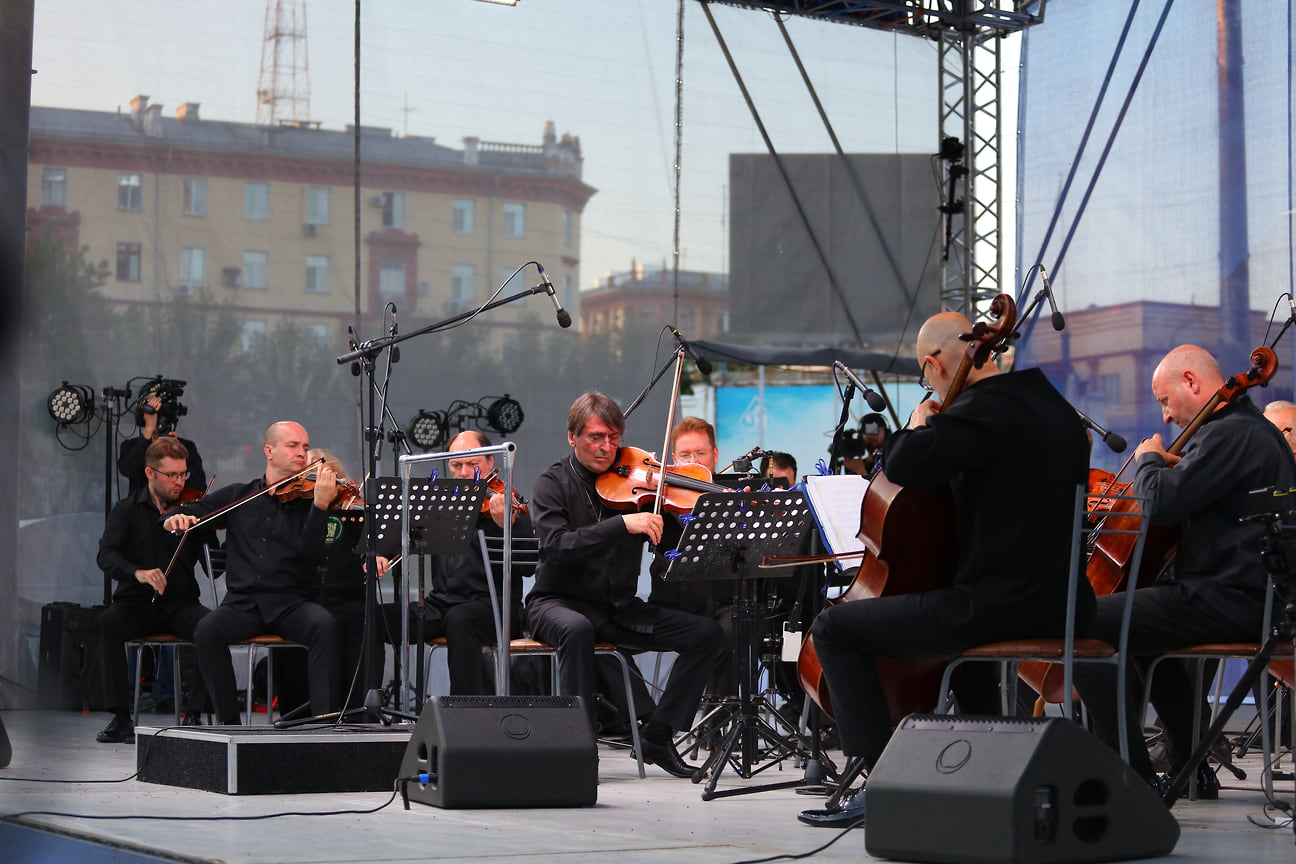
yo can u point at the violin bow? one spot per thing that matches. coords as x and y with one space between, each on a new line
270 487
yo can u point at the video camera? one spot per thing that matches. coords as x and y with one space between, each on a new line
169 391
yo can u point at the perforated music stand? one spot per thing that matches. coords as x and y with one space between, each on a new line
728 537
442 521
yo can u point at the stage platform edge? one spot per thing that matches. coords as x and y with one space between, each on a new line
250 760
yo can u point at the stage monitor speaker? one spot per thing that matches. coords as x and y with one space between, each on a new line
965 790
503 751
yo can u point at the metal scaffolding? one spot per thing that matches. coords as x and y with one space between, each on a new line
969 35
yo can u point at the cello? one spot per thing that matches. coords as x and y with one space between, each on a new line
1108 559
897 525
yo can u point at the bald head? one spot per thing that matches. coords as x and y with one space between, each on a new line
1283 415
1184 382
940 351
286 445
469 467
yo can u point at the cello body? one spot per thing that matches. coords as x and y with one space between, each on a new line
899 527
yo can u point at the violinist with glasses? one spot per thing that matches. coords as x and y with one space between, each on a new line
588 575
276 531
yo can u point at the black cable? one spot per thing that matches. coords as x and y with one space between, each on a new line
366 812
797 856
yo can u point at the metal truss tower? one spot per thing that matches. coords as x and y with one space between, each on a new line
968 34
283 88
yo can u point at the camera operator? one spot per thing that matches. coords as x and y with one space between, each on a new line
157 412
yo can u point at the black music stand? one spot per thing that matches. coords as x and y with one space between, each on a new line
443 521
728 537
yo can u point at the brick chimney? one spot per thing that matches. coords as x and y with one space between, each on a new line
138 106
187 113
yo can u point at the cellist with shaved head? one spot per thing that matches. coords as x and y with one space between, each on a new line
1011 452
1217 590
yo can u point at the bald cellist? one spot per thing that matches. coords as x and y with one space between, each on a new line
1217 591
1010 578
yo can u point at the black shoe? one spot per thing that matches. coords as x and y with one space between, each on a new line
192 718
119 730
665 756
1208 785
845 814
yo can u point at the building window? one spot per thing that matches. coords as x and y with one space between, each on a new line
195 196
317 333
463 287
317 274
686 318
317 205
514 220
569 228
393 209
465 216
130 194
128 262
391 280
53 187
568 292
193 268
256 200
256 270
254 336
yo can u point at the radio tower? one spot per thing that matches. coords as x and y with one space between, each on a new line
283 88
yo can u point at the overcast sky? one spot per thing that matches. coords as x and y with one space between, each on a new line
603 71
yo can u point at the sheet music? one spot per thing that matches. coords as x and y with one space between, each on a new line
835 503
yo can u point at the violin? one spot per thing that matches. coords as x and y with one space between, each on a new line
496 486
303 486
632 482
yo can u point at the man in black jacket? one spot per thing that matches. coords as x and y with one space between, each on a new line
134 551
1011 574
273 545
1217 592
589 573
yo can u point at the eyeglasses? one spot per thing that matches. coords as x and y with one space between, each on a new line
922 376
171 475
598 439
694 456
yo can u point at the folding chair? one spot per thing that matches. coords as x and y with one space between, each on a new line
1069 650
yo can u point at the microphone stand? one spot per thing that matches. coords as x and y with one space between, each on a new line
643 394
366 354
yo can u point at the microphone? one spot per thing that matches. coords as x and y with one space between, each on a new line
1290 303
395 349
874 400
1058 321
1111 439
703 364
355 346
564 317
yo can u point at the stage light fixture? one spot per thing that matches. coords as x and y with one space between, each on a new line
504 415
71 403
428 429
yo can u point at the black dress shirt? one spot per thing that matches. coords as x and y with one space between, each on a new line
134 539
272 547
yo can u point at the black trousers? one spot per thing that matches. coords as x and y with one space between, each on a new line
1165 617
851 636
124 620
305 622
697 640
468 626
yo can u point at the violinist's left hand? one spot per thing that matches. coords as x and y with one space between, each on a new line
325 487
1156 445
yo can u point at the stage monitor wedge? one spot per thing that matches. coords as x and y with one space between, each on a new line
503 751
974 790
